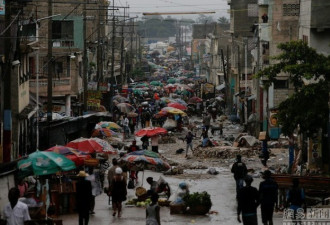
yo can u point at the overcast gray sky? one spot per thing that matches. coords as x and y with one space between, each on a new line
138 6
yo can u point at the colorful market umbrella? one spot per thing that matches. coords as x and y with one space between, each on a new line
109 125
150 131
107 148
119 99
44 163
195 100
101 132
141 85
180 101
171 81
137 91
156 83
177 106
143 162
172 110
125 107
78 157
85 145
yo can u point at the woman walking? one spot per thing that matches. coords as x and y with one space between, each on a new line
118 191
152 211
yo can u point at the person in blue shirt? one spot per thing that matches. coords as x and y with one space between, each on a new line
295 198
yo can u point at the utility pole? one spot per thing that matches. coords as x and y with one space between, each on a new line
228 91
112 56
245 94
85 60
225 76
99 54
131 53
239 82
140 52
258 89
50 64
7 116
122 51
136 48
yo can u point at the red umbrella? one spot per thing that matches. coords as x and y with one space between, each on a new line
177 106
85 145
78 157
151 131
195 100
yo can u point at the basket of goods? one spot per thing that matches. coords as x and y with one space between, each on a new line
198 203
163 202
141 193
91 162
177 208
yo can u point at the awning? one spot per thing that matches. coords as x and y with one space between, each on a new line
220 87
27 112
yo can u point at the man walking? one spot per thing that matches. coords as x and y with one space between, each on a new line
268 190
207 121
248 201
240 171
83 198
15 212
189 138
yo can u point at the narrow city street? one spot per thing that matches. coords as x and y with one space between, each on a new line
187 112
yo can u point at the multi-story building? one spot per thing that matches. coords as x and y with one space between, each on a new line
27 59
243 20
278 23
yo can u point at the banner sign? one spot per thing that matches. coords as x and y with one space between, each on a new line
2 7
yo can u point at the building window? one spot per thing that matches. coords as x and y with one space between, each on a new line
63 34
62 30
253 10
291 9
59 69
305 39
29 31
281 84
68 66
32 66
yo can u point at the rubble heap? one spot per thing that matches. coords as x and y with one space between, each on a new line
223 152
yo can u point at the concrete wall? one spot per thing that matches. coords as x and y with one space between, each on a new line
6 182
243 14
284 28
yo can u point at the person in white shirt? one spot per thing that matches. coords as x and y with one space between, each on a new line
154 143
15 212
125 123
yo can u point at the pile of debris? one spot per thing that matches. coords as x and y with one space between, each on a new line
167 140
223 152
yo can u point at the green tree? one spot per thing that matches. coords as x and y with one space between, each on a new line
223 20
204 19
308 106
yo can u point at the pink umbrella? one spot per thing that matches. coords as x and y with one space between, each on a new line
177 106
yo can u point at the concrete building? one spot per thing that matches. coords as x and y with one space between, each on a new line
219 42
243 20
278 22
314 27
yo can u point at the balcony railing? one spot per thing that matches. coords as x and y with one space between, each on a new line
60 43
263 2
60 86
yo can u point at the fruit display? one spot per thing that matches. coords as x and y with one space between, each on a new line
138 203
